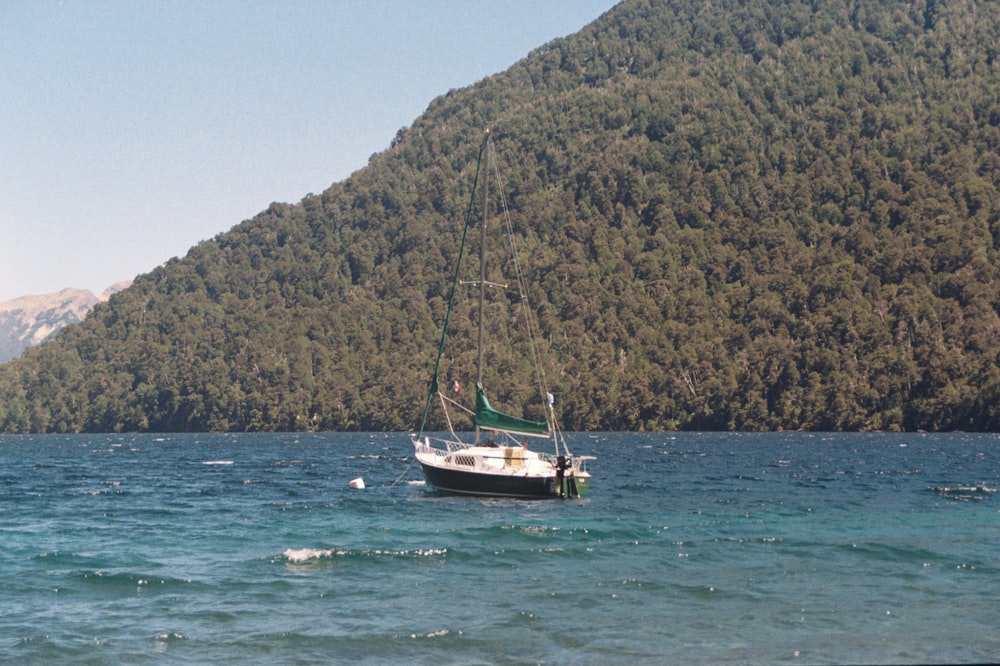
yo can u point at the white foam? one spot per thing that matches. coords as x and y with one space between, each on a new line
217 462
302 555
306 554
434 634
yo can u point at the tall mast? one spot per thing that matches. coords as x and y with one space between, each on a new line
482 265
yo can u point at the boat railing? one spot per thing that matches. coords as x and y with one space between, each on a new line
454 449
445 446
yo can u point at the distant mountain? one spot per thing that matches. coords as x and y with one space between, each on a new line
31 320
737 214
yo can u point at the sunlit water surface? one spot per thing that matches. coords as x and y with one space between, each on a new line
690 548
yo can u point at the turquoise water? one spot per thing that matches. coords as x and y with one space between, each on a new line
690 548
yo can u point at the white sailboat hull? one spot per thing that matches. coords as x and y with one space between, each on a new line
498 471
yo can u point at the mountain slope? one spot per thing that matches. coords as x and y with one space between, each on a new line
743 215
29 320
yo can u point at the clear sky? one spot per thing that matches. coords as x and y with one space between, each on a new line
131 131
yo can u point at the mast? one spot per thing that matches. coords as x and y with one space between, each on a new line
481 345
482 265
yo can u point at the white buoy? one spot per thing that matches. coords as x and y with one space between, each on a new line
358 483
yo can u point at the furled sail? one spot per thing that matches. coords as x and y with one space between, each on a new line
491 419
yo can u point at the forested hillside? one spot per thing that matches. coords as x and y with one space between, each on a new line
739 215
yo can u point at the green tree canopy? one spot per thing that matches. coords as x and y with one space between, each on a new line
739 215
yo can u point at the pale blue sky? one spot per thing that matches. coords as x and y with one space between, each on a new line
131 130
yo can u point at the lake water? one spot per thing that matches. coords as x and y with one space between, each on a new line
690 548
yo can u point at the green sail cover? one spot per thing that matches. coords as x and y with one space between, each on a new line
489 418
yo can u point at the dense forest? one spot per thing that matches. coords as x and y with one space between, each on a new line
750 215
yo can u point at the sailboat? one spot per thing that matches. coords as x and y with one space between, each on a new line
494 459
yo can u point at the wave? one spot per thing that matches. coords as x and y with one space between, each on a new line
300 555
306 555
897 553
118 583
965 492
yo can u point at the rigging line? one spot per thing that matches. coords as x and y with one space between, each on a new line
521 288
456 403
447 414
405 472
526 306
